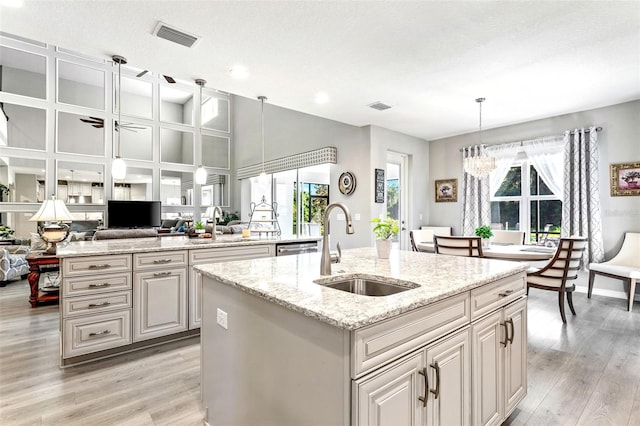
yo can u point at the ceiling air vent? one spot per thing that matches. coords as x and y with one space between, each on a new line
379 106
175 35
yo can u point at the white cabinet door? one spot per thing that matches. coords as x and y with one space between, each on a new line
391 397
499 363
515 359
160 303
487 336
449 369
97 195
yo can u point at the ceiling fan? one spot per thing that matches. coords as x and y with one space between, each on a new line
98 123
168 78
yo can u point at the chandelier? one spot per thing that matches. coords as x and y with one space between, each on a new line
478 163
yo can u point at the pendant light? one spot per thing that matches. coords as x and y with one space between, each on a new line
478 163
119 167
201 174
263 174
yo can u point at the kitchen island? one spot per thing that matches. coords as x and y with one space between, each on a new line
279 348
124 294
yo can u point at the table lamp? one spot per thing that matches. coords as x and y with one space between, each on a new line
52 212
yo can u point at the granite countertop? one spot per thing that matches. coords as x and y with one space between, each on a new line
143 245
288 281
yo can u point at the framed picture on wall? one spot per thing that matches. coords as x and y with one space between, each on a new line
625 179
446 190
379 186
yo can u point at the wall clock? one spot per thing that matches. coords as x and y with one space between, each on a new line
347 183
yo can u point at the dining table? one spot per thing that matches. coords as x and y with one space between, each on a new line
521 252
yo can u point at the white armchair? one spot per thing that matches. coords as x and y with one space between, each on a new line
624 266
13 263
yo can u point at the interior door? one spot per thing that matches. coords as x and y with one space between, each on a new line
396 188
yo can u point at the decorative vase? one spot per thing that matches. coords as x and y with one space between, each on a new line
486 243
200 231
384 248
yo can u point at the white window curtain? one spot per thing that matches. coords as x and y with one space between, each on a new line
581 200
505 154
475 197
547 156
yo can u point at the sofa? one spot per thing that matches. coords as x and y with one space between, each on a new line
13 263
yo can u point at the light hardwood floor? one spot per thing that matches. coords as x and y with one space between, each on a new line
585 372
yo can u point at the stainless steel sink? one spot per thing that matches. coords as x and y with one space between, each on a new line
366 286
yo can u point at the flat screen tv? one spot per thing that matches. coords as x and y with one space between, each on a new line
133 214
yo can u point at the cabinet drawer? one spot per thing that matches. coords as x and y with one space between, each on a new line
160 259
222 254
74 306
382 342
497 294
93 284
72 267
94 333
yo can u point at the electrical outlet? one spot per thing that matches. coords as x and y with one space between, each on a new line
222 318
420 217
341 216
356 216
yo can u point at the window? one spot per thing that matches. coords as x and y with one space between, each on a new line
537 210
314 199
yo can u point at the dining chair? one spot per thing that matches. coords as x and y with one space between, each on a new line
458 246
561 268
419 236
625 266
507 237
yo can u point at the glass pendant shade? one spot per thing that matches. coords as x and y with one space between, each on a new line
118 168
200 176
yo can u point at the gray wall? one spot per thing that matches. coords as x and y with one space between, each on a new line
360 150
618 142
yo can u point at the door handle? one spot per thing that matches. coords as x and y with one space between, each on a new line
425 397
436 391
506 334
513 331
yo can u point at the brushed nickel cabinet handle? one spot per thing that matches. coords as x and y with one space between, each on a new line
506 334
424 398
505 293
98 305
100 333
513 330
161 261
162 274
101 266
103 285
436 391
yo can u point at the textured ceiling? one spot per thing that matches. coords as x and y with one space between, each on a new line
428 60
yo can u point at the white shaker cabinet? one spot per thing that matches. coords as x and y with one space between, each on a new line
430 386
159 294
500 362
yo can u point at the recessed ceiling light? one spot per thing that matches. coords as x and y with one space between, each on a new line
12 3
239 72
321 98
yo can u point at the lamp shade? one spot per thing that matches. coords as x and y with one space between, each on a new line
52 211
118 168
201 176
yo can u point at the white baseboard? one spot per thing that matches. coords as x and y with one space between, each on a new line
604 292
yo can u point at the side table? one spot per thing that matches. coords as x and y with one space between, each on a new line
36 261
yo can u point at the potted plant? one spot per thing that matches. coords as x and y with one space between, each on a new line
384 230
6 232
485 233
199 227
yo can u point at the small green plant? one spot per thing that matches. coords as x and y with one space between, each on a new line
385 228
484 231
198 225
5 231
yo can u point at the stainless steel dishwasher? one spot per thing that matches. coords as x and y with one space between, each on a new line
285 249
